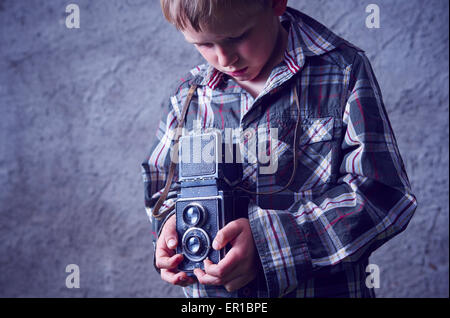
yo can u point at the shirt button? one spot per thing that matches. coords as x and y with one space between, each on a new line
248 134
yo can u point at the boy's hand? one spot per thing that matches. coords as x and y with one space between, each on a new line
166 259
240 264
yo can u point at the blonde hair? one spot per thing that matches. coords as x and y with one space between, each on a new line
201 13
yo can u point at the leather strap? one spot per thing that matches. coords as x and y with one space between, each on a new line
162 198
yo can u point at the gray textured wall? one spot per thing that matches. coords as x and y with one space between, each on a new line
79 109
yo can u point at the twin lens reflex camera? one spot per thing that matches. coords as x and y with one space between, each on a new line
206 201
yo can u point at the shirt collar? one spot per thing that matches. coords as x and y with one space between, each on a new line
307 38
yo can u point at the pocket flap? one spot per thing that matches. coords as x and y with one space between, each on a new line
317 130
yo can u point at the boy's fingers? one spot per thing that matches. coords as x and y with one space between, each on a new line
176 278
213 269
167 242
226 235
224 268
169 233
162 250
171 242
168 262
206 279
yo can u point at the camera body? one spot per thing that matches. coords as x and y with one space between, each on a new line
206 201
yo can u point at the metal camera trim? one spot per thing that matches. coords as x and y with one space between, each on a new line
202 217
208 245
219 219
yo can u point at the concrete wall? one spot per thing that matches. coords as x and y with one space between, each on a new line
78 111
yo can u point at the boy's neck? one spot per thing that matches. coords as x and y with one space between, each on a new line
256 86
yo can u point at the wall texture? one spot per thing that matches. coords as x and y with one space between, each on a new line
78 112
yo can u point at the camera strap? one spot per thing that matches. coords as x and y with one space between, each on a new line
160 202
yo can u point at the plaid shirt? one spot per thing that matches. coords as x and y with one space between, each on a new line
351 192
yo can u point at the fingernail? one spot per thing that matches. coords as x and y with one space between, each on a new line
215 245
171 243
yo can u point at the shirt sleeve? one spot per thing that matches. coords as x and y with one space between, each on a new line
155 170
370 203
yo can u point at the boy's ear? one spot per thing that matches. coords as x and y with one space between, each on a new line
279 7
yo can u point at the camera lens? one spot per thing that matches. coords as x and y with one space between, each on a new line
193 215
193 244
196 244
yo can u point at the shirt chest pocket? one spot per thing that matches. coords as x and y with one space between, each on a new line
316 151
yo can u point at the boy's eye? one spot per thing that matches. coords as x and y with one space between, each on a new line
204 45
237 38
229 40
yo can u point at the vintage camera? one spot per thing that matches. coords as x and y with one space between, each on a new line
206 201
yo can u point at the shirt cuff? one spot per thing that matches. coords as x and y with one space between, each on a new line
282 249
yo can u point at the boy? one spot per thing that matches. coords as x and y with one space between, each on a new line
269 65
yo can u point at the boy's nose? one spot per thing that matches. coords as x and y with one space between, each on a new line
226 57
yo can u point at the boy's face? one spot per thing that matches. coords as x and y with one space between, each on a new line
240 46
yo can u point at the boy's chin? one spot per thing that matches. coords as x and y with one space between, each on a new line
253 78
242 78
247 77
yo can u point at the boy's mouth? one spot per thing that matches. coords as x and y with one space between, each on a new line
238 72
